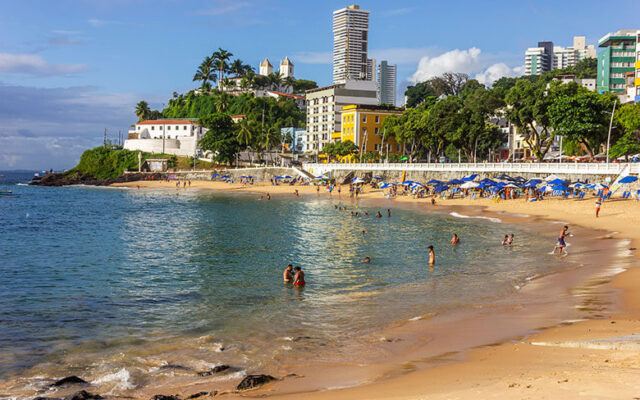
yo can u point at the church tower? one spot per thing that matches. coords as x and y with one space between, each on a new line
265 67
286 68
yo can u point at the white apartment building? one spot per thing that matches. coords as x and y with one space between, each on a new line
538 60
350 45
324 106
387 83
166 136
564 57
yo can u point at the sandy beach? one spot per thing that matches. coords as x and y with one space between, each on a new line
595 359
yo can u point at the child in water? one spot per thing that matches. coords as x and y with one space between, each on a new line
505 240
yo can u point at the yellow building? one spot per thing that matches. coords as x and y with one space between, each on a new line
362 124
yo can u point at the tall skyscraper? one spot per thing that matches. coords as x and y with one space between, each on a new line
350 45
387 83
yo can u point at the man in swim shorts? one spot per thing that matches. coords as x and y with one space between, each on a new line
561 243
288 274
299 278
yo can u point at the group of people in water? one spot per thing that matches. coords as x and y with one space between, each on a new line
294 275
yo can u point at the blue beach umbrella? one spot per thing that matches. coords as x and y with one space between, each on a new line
470 177
628 179
557 182
287 176
215 175
407 182
378 177
441 188
385 185
487 180
455 182
433 181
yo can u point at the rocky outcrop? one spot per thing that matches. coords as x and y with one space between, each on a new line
69 380
165 397
254 381
66 179
84 395
215 370
200 394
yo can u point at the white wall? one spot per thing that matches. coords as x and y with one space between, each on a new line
155 131
184 146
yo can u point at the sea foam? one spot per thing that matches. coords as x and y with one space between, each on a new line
455 214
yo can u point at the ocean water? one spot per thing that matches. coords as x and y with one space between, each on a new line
112 284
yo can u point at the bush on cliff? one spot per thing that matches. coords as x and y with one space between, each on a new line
103 163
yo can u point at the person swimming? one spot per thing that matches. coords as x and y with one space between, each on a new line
378 215
455 239
432 255
299 278
288 274
367 260
505 240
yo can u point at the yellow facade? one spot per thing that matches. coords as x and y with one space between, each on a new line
363 126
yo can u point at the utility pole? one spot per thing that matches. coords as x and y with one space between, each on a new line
610 126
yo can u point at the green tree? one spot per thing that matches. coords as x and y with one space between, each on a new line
220 137
302 85
142 111
627 117
583 117
627 145
204 74
244 135
220 60
418 93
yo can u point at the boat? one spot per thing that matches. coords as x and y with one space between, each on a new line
6 191
9 195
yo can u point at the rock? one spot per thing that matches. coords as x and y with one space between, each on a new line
299 338
84 395
200 394
70 380
214 370
174 366
165 397
253 381
47 398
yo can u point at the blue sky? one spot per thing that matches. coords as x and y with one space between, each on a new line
70 68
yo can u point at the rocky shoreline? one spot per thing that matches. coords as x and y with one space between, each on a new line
67 179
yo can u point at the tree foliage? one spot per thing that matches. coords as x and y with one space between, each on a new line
220 137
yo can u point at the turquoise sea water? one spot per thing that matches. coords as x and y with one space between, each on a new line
96 281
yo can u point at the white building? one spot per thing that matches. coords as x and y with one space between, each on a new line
324 106
538 60
587 83
286 68
565 57
265 67
387 83
166 136
350 45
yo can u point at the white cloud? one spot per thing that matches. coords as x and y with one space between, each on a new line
465 61
33 64
97 23
313 57
497 71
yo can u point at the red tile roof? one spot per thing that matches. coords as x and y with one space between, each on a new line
167 122
295 96
238 116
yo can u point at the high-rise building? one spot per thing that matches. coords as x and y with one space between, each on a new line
539 60
617 57
350 45
387 83
564 57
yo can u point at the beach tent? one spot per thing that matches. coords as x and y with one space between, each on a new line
470 178
434 181
628 179
455 182
557 182
469 185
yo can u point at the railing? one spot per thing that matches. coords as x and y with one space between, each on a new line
543 168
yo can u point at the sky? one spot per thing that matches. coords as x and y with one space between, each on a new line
69 69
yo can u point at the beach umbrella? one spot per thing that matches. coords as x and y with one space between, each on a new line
503 177
559 187
600 186
536 181
557 182
357 180
470 178
455 182
433 181
628 179
249 176
385 185
441 188
551 177
242 177
278 177
511 185
417 184
215 175
519 179
530 184
487 180
378 177
469 185
405 158
407 182
286 176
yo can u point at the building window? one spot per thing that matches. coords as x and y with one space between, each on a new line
364 131
169 127
377 119
153 127
397 147
377 131
364 118
185 127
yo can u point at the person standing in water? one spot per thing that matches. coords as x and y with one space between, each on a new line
432 256
510 240
505 240
598 204
455 239
288 274
561 242
299 278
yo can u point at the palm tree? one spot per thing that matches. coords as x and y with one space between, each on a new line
289 81
220 59
275 80
270 137
244 133
222 102
225 83
237 67
204 73
143 112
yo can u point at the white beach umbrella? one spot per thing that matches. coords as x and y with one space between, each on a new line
357 180
552 178
511 185
469 185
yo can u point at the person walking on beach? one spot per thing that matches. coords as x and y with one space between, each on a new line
455 239
299 278
432 255
288 274
598 204
561 243
297 193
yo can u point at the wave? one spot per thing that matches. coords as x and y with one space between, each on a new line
22 184
455 214
121 380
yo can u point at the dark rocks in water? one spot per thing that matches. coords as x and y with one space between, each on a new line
299 338
84 395
253 381
70 380
200 394
214 370
165 397
66 179
174 366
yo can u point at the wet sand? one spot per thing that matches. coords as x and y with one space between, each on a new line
595 358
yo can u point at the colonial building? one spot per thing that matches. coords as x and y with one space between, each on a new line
362 124
166 136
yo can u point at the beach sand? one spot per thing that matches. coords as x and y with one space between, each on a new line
594 359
